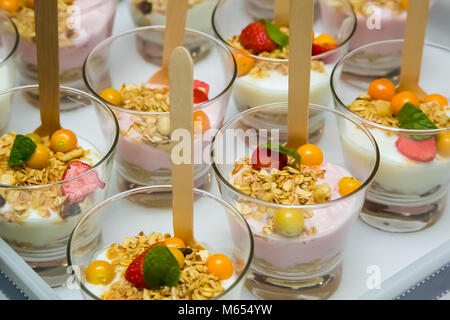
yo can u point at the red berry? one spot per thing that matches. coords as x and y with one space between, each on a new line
321 48
254 37
419 150
77 189
135 271
266 158
202 86
200 96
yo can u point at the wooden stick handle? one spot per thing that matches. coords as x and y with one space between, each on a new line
416 25
46 12
175 25
300 42
281 12
181 79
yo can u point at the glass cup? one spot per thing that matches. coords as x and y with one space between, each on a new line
375 22
82 25
406 195
217 226
9 40
143 152
259 88
306 266
37 220
152 13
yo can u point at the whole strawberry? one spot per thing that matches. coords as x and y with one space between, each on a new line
135 272
255 37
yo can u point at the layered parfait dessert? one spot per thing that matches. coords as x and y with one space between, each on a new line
411 162
264 80
158 267
291 239
117 72
153 12
36 219
145 146
300 202
82 25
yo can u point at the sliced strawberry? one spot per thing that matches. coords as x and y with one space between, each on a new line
254 37
321 48
77 189
200 96
266 158
419 150
135 271
202 86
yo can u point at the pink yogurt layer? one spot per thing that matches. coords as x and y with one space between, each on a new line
149 158
96 22
333 224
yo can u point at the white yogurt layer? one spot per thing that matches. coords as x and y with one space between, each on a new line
198 17
253 91
396 173
6 82
99 290
39 231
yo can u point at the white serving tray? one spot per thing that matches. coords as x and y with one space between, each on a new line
402 260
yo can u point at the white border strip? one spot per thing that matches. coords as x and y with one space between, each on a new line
22 274
412 274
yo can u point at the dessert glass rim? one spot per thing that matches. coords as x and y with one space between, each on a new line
310 206
16 42
95 166
371 123
256 57
199 106
165 187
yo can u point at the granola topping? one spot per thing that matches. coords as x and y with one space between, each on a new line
262 69
370 109
24 20
195 282
20 203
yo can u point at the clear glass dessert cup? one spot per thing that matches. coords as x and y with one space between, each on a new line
307 266
152 13
217 226
9 40
82 25
143 153
37 220
255 88
406 195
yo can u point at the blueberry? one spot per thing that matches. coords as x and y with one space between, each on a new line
2 202
70 209
145 7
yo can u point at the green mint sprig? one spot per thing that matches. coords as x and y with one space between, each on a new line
21 151
161 268
411 117
278 36
284 150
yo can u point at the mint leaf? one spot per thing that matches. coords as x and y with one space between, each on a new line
411 117
161 268
22 150
278 36
284 150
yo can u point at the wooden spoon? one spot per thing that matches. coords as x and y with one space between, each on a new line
173 37
416 25
300 42
46 15
181 77
281 12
